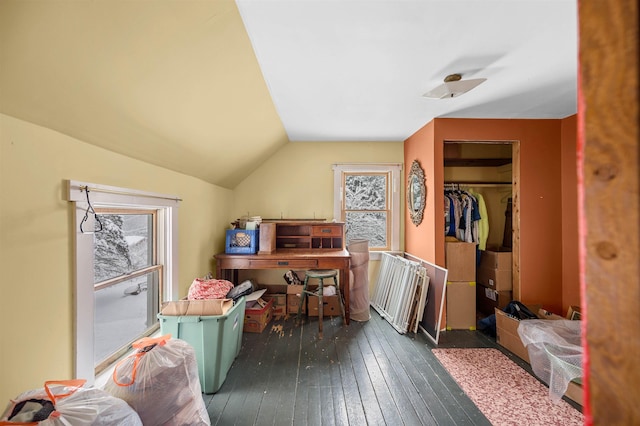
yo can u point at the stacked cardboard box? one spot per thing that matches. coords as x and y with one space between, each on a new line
277 293
461 305
460 261
294 292
488 299
330 306
494 280
257 318
495 270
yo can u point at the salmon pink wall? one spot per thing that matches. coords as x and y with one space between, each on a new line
422 240
570 238
540 203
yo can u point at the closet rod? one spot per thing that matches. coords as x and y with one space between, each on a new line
479 184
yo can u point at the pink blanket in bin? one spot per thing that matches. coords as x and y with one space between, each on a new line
209 289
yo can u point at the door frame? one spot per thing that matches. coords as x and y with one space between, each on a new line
515 191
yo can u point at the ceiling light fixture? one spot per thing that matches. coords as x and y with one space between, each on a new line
453 86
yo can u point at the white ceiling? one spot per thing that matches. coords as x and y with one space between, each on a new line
356 70
211 88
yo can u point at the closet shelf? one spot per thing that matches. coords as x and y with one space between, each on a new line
476 162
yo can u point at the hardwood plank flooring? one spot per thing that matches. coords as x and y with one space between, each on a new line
362 374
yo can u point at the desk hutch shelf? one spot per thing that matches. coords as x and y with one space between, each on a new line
301 235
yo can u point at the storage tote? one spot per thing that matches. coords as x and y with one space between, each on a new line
216 340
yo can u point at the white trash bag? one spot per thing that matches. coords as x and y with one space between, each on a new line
160 381
66 402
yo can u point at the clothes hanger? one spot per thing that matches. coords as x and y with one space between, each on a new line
86 214
505 198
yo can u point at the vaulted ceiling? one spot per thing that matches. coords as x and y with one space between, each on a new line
211 88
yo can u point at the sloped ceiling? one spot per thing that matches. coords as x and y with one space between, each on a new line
212 88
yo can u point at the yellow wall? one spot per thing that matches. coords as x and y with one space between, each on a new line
36 255
297 183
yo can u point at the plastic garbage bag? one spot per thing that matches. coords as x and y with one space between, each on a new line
160 381
67 402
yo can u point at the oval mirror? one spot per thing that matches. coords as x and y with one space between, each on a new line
416 193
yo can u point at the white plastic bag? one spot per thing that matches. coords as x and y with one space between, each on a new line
72 405
555 352
160 381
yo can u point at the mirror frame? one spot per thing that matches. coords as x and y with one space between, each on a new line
416 193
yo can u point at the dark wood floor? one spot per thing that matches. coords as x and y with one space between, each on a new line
362 374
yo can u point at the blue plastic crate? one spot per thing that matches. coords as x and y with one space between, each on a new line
242 241
216 340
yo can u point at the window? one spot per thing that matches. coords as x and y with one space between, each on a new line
125 250
126 282
367 199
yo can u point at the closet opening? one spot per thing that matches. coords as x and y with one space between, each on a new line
481 210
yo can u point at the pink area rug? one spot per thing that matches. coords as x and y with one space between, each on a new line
504 392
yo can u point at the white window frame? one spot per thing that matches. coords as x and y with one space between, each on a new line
103 196
395 169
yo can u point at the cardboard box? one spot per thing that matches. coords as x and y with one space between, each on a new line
544 314
461 305
497 279
331 306
574 392
206 307
496 259
507 333
279 304
256 319
507 336
274 288
487 299
293 300
460 261
574 313
294 288
297 288
277 292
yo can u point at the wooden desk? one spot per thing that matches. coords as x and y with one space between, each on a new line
227 265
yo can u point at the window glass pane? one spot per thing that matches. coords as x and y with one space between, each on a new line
367 198
125 244
122 313
366 192
370 226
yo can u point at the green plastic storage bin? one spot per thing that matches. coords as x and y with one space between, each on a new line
216 339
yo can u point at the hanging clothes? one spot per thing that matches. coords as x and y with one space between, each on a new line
463 212
483 223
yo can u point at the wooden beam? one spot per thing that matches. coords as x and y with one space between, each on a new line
608 135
